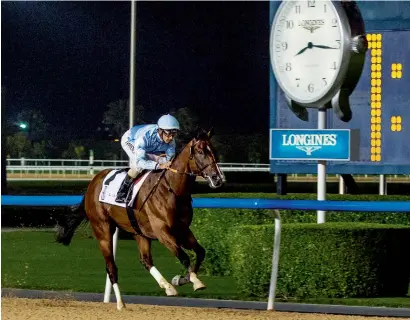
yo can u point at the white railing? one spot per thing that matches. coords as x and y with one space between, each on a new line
35 169
30 169
23 162
64 163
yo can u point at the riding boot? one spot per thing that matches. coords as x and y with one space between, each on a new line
124 188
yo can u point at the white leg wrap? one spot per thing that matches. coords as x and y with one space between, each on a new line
193 277
118 297
198 285
163 283
157 275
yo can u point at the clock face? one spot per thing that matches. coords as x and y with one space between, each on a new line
308 48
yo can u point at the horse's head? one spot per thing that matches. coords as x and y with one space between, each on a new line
203 160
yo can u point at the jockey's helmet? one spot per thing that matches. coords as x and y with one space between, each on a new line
168 122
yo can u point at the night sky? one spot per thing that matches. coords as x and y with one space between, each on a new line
70 59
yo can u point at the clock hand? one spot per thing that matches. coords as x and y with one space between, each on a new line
309 46
301 51
323 47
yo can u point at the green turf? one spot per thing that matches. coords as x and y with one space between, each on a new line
33 260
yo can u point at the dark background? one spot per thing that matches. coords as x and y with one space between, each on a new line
70 59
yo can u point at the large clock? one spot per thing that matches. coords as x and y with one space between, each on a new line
317 54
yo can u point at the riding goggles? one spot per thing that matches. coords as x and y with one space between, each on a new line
170 133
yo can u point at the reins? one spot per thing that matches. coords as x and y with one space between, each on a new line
198 171
179 172
154 187
191 174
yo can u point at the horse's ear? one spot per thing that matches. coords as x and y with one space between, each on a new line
197 132
210 133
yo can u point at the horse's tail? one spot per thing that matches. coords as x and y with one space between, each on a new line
69 222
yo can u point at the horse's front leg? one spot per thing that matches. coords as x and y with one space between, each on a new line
144 246
190 243
166 237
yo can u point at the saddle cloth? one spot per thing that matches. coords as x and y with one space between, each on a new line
109 191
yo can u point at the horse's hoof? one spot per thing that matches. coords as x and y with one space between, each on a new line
199 286
179 280
175 280
120 306
171 291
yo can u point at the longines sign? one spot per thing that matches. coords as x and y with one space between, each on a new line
312 144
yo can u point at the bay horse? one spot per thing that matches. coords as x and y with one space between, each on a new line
163 211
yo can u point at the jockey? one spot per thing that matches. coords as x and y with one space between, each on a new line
144 144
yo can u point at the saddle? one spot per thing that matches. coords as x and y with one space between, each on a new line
139 175
129 208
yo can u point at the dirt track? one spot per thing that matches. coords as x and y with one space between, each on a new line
36 309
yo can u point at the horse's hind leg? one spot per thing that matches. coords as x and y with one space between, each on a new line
189 242
144 246
104 231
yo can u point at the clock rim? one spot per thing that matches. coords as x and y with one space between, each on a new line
327 96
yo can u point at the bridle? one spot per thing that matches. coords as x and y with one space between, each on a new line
198 171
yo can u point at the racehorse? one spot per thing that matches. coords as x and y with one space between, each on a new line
162 210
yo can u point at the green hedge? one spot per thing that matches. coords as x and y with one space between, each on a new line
210 226
326 260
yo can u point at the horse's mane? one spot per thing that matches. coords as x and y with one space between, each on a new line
197 134
202 135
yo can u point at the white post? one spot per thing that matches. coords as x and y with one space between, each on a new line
321 170
275 262
108 284
132 61
341 185
382 185
91 161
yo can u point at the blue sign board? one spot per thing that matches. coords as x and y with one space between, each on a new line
379 103
290 144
